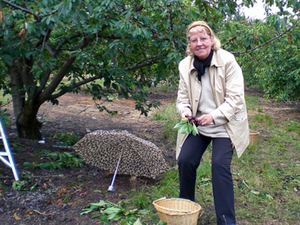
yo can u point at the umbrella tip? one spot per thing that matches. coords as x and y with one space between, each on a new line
110 188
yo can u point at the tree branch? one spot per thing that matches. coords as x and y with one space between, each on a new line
57 79
172 29
62 72
138 65
50 13
109 36
50 50
43 38
53 55
78 84
142 63
58 48
267 42
85 42
22 9
87 39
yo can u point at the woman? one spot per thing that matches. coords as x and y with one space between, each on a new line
211 87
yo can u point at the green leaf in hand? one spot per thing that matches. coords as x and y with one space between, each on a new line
178 126
184 129
194 130
184 120
187 126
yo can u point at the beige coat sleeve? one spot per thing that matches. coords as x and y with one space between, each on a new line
183 96
234 90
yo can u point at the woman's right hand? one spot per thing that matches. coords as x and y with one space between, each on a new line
185 112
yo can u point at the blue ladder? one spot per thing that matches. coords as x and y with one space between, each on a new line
6 156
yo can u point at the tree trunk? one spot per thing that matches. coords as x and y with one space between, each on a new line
25 111
17 89
27 124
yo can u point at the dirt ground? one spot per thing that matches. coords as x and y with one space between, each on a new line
60 195
76 114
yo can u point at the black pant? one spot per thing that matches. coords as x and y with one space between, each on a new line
188 162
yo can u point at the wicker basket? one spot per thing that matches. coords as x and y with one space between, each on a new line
253 137
175 211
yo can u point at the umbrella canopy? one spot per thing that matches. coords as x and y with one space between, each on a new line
139 157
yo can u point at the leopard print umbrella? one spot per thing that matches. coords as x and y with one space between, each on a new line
139 158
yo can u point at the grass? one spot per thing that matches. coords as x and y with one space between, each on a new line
169 117
252 102
271 170
5 99
266 177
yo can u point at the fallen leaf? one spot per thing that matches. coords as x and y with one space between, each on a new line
109 173
59 202
16 216
28 213
43 214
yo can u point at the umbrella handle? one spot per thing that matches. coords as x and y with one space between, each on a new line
111 187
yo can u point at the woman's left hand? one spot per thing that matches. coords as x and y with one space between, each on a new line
205 120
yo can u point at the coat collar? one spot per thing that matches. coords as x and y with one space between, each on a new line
216 61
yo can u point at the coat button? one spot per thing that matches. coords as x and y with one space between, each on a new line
196 100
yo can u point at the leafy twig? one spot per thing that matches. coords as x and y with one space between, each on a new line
188 125
267 42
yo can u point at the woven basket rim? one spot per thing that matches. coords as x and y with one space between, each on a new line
254 132
176 211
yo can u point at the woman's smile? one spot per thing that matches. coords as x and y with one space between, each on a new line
201 44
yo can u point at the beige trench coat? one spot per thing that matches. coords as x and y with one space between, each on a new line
227 84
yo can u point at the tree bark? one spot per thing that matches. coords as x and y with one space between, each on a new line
27 103
17 89
27 124
25 112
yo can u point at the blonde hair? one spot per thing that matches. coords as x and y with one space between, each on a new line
201 26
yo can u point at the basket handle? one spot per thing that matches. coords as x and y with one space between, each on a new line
176 210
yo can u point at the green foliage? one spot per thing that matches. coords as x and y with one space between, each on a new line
61 47
138 209
4 98
108 211
141 200
293 126
263 118
5 117
28 183
169 117
57 160
164 88
3 188
65 139
284 79
251 102
17 185
187 125
266 178
270 65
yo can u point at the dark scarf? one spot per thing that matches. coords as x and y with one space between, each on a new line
200 65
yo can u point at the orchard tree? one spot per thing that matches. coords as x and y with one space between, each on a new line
49 48
275 66
269 52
